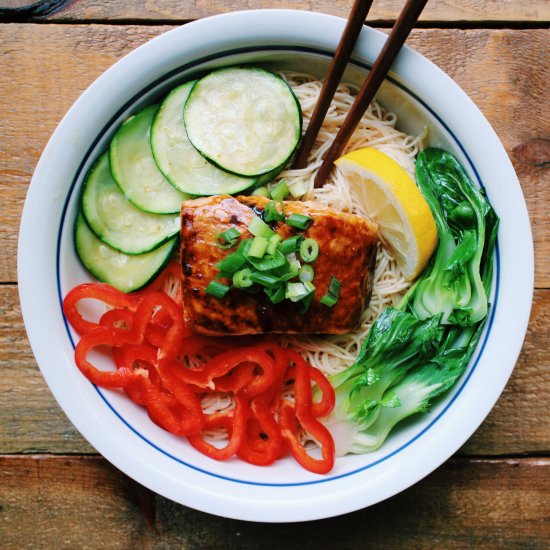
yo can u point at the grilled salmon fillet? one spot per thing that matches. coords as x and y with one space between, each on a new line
347 250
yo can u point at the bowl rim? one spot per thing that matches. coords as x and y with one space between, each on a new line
209 499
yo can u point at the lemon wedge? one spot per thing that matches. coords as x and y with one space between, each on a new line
391 198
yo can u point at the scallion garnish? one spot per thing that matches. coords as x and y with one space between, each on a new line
306 273
272 212
268 263
258 247
296 292
265 279
334 286
273 244
276 295
280 191
241 279
231 263
216 289
300 221
305 303
291 244
310 287
244 247
309 250
328 300
260 192
331 297
227 238
259 228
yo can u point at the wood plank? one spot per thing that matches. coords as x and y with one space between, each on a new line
46 67
32 421
84 502
383 10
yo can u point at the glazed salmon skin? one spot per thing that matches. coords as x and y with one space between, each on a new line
347 250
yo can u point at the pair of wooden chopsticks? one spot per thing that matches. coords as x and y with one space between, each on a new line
399 33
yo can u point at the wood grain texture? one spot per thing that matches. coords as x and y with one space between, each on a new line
32 421
77 502
46 67
382 10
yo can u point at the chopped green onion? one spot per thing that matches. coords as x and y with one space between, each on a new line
328 300
265 279
334 286
244 247
305 303
273 244
259 228
267 263
241 279
276 295
223 275
260 192
306 273
295 292
310 287
216 289
280 191
272 213
231 263
331 297
300 221
227 238
309 250
291 244
258 247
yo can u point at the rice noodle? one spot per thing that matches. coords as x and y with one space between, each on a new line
376 129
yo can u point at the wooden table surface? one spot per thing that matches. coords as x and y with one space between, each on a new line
55 491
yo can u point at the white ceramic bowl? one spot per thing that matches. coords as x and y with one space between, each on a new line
421 95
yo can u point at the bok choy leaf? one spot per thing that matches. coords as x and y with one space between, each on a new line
418 350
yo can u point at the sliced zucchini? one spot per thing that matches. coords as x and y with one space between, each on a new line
179 161
116 221
134 168
245 120
127 273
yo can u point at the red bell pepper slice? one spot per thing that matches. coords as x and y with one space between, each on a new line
328 398
224 362
117 318
263 441
302 409
236 379
97 291
103 336
236 433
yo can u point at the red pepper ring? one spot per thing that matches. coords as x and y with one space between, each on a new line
280 361
303 407
142 356
168 413
328 398
262 445
114 318
97 291
236 434
289 431
224 362
169 373
103 336
144 314
236 379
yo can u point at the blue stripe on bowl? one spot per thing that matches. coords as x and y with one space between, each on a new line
192 65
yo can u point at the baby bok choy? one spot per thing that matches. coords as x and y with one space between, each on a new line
416 351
